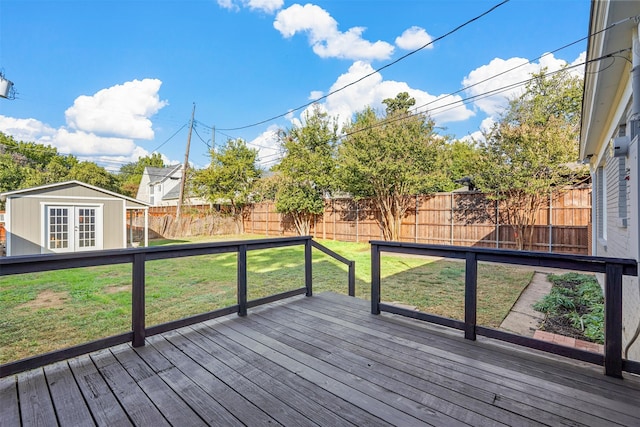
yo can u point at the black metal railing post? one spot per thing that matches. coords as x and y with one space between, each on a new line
613 320
138 299
308 272
352 278
375 279
470 295
242 280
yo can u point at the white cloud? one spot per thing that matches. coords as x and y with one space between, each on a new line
510 72
99 127
267 6
325 38
227 4
268 147
121 110
315 94
373 90
26 129
485 127
414 38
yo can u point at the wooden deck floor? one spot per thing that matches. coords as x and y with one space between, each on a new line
318 361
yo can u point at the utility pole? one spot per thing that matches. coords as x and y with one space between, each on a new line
183 181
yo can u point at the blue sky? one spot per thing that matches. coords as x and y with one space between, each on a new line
111 80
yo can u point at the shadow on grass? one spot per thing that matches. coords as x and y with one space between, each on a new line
438 288
165 242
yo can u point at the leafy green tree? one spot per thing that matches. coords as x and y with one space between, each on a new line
390 159
307 168
131 173
462 161
230 178
92 174
529 152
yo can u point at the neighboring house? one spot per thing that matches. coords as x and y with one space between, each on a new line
68 217
609 143
161 187
158 183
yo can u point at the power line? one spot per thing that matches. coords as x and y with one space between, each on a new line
492 92
169 139
374 71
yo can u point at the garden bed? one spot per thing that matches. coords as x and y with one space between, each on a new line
574 308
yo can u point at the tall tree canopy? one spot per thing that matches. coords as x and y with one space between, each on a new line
230 177
28 164
529 152
307 168
390 159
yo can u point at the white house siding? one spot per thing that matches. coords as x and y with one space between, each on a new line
607 104
143 189
619 242
631 285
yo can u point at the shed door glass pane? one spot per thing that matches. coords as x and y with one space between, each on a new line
86 226
58 228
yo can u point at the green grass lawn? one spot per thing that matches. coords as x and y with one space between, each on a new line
46 311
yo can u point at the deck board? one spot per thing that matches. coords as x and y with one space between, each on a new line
323 361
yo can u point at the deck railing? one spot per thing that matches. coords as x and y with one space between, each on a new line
613 268
138 257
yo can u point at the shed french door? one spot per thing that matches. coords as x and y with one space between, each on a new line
73 228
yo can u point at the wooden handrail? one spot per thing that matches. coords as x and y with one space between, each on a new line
613 268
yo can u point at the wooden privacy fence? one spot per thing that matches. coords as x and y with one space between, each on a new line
458 218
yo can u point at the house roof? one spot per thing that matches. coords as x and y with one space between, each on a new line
4 196
161 174
172 194
602 78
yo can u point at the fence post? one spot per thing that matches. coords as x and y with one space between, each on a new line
550 220
242 280
375 279
415 233
470 295
266 221
308 272
324 220
451 213
497 226
138 299
334 218
357 223
613 320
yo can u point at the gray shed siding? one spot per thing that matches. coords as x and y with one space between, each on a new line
27 216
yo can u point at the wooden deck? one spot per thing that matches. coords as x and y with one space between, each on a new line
322 361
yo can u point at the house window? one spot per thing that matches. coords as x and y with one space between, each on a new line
601 203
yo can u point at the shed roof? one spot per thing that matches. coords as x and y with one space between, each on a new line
25 191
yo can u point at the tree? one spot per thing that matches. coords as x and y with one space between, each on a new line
92 174
307 168
528 153
131 173
230 178
391 159
462 162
